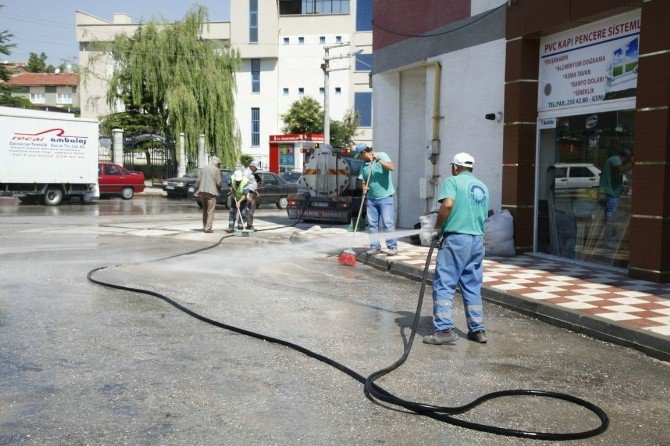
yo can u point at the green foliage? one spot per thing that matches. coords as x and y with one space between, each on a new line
6 98
38 64
166 70
131 122
304 116
342 132
245 160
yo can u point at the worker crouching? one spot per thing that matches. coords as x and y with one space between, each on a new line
239 203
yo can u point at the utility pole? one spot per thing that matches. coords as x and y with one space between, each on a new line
325 66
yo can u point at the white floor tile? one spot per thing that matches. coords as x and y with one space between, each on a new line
582 298
618 316
540 295
576 305
594 285
508 286
664 330
556 283
518 281
628 300
589 291
623 308
632 293
547 289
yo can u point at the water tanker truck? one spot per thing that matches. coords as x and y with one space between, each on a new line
331 191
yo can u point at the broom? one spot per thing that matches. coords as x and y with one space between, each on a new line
348 256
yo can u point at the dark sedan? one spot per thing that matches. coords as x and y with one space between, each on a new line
179 186
272 190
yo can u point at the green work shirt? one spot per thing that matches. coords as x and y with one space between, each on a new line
471 204
381 182
611 178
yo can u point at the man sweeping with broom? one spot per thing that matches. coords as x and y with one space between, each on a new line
378 186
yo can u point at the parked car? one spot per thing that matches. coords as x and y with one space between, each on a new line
178 186
272 189
115 180
291 177
571 176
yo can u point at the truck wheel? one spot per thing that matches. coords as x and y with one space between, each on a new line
282 203
127 193
53 197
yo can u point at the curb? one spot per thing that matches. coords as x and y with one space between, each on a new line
594 326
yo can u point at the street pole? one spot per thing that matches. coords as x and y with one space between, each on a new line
325 66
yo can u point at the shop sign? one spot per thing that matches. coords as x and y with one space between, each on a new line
590 64
546 123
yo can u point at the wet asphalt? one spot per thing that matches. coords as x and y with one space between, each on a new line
83 364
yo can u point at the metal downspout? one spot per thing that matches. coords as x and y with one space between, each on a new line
435 142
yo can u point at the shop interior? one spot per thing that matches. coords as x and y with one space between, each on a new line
585 184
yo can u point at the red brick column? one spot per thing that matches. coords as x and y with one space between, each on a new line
650 222
518 173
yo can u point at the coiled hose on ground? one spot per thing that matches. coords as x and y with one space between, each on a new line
376 392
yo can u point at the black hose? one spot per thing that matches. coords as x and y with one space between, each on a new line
373 390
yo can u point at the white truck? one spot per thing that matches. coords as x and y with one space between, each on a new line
47 156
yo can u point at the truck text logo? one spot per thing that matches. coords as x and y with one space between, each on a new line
58 136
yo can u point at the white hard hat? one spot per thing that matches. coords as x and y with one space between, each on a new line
254 164
238 175
463 159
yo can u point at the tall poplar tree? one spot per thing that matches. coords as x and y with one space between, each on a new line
188 83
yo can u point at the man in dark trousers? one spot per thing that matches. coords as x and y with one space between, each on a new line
207 188
460 225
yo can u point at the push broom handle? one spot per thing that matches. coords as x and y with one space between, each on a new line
360 210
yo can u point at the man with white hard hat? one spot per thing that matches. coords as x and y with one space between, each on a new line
252 185
460 231
239 192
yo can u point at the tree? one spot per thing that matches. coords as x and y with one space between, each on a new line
306 116
245 160
6 97
167 71
342 132
37 64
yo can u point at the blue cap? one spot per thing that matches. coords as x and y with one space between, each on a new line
359 149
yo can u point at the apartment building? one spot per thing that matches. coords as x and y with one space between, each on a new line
281 43
57 90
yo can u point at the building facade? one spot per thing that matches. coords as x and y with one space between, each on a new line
580 157
281 43
56 90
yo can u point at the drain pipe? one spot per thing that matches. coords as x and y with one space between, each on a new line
435 142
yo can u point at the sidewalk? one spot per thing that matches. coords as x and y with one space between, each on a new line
598 302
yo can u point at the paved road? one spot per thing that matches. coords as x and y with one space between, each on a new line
81 364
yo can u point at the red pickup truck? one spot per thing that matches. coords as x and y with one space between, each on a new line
115 180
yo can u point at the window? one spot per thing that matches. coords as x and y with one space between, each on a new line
338 39
322 39
255 75
363 62
37 98
286 41
338 90
322 90
111 169
301 91
253 21
255 127
363 106
364 15
269 179
581 172
285 91
289 7
301 40
50 89
64 98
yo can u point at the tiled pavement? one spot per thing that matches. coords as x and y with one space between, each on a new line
602 302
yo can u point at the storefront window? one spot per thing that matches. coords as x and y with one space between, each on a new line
585 186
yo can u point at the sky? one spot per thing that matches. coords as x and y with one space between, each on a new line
48 25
